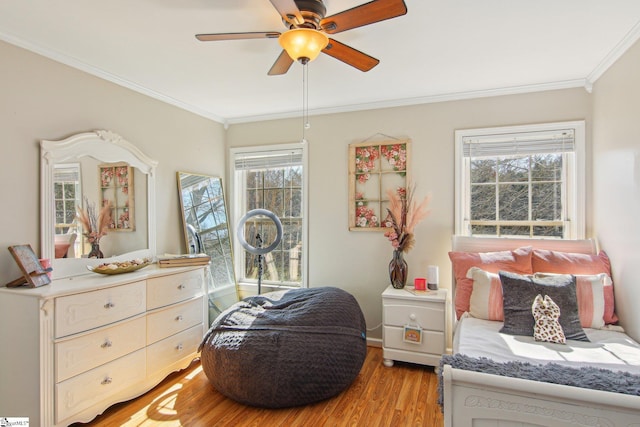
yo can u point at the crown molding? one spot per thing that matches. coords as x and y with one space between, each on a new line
430 99
630 38
627 41
97 72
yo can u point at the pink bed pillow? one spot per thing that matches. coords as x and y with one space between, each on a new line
516 261
578 264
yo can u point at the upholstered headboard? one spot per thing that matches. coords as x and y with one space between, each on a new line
493 244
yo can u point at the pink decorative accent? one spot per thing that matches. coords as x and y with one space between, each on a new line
46 263
584 292
517 261
496 309
577 264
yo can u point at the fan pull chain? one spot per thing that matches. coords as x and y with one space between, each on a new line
305 101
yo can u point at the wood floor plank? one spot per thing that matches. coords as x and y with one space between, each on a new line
403 395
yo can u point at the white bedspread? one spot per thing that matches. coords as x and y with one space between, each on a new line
607 349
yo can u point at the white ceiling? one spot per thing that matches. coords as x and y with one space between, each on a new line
442 49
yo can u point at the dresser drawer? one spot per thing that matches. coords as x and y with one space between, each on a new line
76 355
428 315
432 342
170 350
166 290
173 319
80 392
89 310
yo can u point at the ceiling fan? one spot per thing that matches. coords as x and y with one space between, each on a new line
307 28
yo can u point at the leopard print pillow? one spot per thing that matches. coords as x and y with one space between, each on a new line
546 314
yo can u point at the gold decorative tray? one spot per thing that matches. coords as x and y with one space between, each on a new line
120 267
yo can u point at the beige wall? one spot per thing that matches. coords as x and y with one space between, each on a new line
616 177
357 261
42 99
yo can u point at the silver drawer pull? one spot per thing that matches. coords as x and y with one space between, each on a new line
106 381
181 286
109 305
179 347
179 318
106 344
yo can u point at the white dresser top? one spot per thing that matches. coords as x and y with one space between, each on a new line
92 281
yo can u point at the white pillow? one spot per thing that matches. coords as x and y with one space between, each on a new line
486 295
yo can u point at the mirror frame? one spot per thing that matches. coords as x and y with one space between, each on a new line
102 145
231 270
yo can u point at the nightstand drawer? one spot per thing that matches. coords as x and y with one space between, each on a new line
432 342
427 315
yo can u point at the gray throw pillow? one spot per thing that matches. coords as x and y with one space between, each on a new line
519 292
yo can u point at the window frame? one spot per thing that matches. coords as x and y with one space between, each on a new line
575 225
238 209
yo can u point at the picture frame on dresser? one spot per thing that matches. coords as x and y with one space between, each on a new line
33 273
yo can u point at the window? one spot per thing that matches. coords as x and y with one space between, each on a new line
66 184
272 178
521 181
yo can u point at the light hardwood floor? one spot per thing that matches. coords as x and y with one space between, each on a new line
404 395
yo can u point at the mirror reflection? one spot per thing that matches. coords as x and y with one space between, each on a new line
89 181
206 230
74 173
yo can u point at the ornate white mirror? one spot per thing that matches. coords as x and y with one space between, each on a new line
96 167
206 230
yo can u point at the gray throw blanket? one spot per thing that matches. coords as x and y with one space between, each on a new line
585 377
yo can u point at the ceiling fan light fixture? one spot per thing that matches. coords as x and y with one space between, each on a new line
303 44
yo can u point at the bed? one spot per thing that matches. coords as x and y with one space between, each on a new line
473 397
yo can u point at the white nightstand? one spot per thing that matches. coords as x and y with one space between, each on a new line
414 325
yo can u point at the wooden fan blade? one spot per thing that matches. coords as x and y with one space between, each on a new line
289 11
368 13
237 36
351 56
282 64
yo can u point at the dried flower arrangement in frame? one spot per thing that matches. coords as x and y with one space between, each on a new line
116 190
375 168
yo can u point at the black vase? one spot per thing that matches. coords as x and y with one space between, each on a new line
95 251
398 270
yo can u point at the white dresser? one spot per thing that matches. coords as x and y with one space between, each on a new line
71 349
414 326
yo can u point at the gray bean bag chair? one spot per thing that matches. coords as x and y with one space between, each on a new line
286 348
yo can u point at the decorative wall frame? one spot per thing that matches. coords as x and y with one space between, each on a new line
375 167
116 190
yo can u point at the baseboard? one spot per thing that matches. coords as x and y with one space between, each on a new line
374 342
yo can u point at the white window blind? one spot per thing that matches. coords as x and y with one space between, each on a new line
66 174
562 141
267 159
